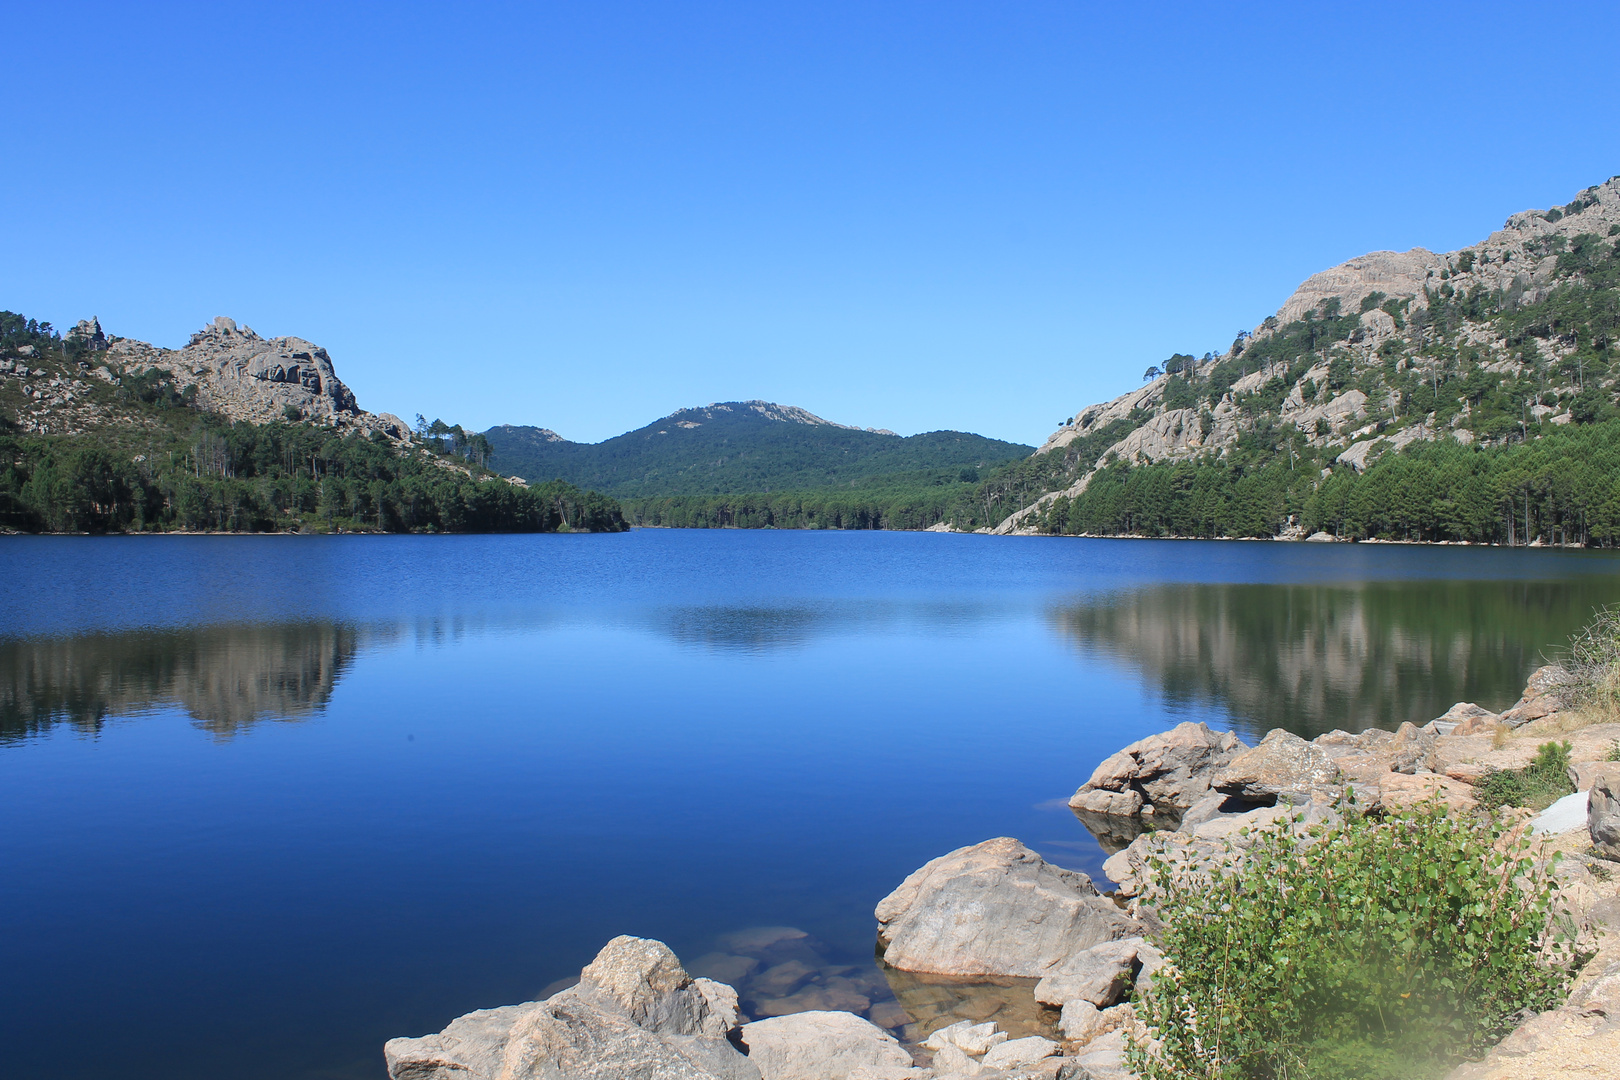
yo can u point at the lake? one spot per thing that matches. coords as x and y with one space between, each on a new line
273 800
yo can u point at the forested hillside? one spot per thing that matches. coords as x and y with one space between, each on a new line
88 444
1469 396
747 447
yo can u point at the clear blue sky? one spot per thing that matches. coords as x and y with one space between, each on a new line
915 216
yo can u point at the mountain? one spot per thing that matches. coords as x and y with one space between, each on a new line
737 447
1469 395
232 432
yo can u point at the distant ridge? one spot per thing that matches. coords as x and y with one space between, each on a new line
732 447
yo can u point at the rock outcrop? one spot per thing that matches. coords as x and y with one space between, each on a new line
1202 407
1171 770
246 377
995 908
634 1013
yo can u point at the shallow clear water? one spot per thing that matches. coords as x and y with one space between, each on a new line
270 801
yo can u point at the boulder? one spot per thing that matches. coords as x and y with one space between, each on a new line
995 908
1465 718
1412 751
634 1011
1101 975
972 1039
1582 773
1019 1053
1603 813
820 1046
1282 767
1171 769
1549 690
1080 1022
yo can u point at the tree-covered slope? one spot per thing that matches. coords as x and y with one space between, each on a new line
1461 396
93 442
745 447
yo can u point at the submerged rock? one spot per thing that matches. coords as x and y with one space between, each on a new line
635 1013
995 908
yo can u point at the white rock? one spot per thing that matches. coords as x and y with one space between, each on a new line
1565 815
953 1060
820 1046
1017 1053
967 1036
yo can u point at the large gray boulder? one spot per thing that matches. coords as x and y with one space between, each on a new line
1171 769
995 908
635 1015
1283 767
1603 812
820 1046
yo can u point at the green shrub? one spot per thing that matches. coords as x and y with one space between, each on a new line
1377 948
1538 785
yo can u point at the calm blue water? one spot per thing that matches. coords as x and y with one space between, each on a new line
271 801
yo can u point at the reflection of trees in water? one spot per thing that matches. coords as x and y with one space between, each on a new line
226 677
751 629
1312 658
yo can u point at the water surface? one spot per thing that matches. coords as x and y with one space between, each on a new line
274 800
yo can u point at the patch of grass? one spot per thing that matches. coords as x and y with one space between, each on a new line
1594 660
1538 785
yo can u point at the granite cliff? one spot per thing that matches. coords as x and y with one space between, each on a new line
1492 345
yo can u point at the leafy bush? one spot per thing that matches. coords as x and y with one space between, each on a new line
1538 785
1373 949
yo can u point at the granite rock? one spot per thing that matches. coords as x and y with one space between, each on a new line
995 908
820 1046
1171 769
634 1012
1282 765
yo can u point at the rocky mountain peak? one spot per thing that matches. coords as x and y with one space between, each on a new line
1342 366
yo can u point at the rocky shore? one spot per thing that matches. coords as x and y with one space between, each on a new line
1007 967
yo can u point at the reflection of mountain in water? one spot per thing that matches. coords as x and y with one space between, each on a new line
751 629
225 677
1312 658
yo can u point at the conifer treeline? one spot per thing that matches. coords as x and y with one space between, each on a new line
1561 488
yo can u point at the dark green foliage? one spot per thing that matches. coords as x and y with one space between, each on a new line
1383 948
733 449
271 477
1538 785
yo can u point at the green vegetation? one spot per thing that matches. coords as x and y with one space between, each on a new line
1523 480
1538 785
1562 488
903 501
159 463
734 449
1388 947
